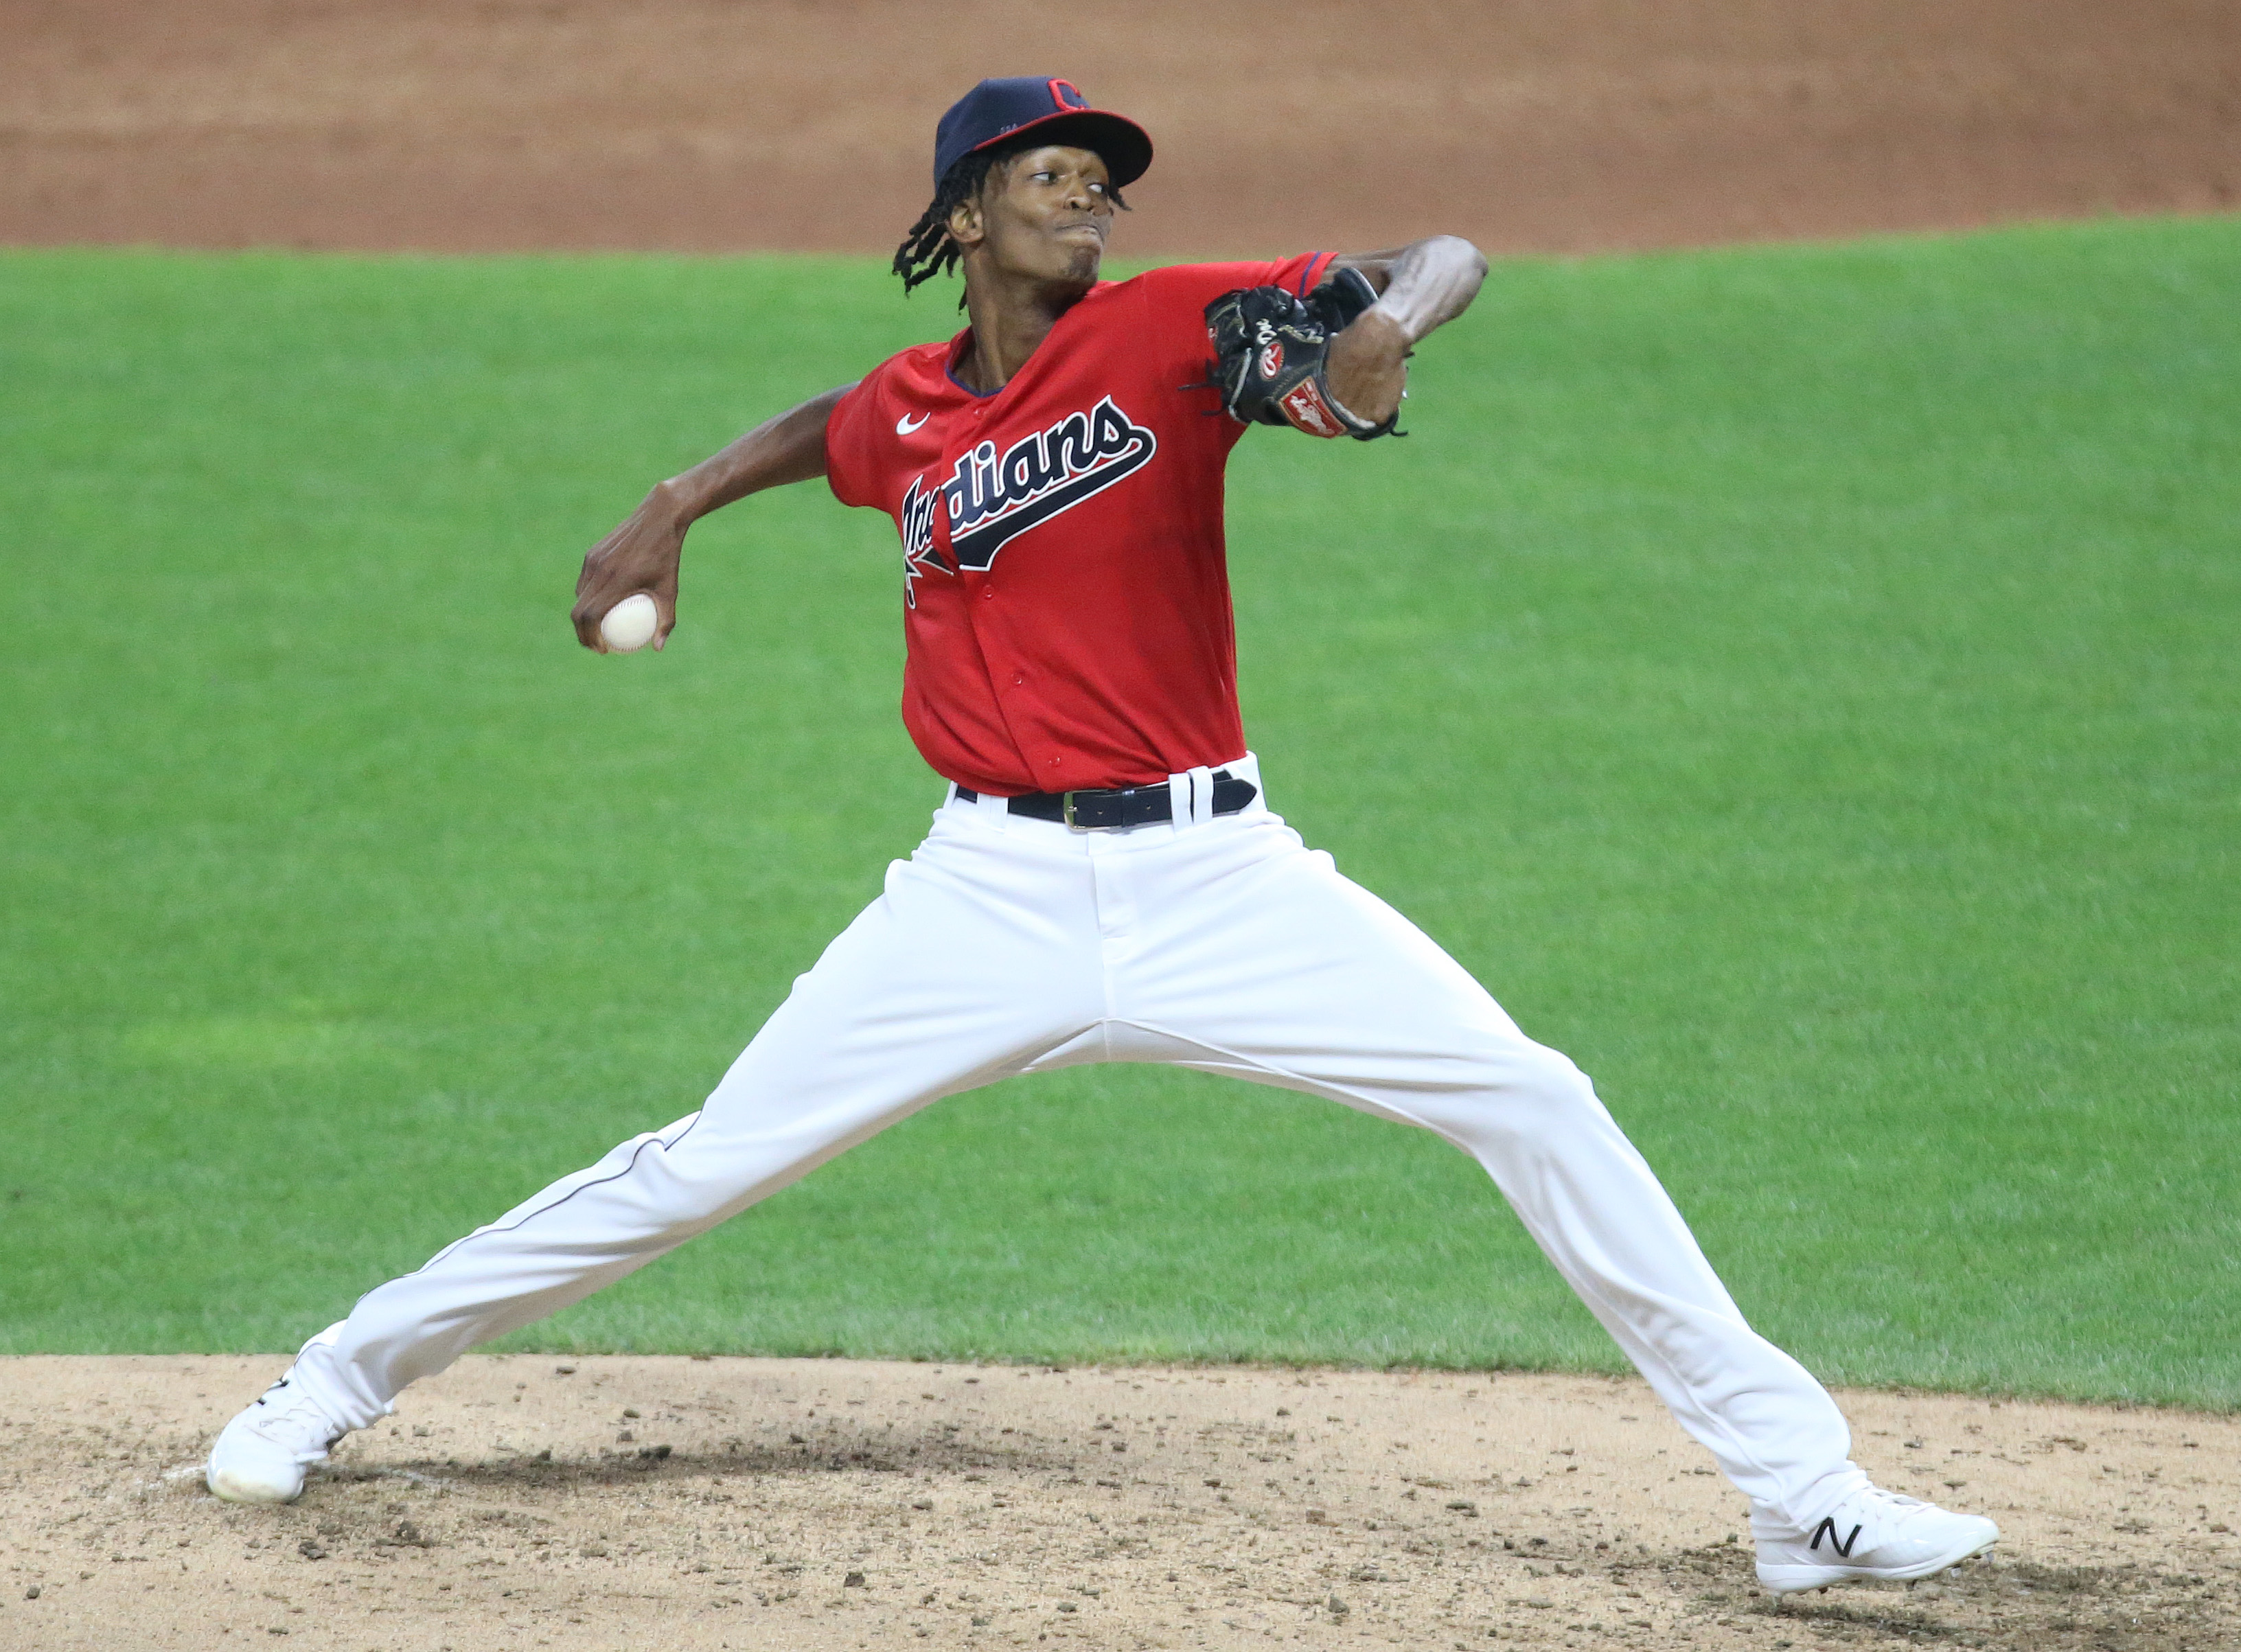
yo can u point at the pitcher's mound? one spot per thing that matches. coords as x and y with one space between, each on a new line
677 1504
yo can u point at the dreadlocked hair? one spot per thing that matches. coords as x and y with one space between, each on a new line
927 251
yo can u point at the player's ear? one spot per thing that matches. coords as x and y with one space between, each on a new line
967 225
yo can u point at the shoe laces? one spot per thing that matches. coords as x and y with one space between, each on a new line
1876 1494
1889 1509
1869 1506
290 1418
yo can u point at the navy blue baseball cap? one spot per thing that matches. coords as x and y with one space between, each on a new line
1054 111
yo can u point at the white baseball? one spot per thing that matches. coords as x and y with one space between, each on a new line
628 626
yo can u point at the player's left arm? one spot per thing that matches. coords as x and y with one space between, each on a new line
1420 287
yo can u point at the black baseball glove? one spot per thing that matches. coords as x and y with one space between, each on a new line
1270 348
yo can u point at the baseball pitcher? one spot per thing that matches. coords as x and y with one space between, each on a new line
1105 879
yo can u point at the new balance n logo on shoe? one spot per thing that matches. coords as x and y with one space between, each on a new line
1827 1529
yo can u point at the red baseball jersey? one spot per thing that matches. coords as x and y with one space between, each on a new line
1066 594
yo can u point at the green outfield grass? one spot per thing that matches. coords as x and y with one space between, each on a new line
1800 682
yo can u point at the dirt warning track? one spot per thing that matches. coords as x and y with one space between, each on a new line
597 1503
723 125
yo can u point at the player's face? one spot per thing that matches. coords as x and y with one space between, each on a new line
1044 215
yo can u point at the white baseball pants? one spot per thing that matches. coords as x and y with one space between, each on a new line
1008 946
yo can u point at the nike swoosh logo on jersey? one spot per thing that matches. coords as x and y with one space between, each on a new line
905 424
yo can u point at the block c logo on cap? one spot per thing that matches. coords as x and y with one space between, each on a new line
1066 95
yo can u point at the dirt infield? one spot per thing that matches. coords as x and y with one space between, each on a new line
717 124
828 1504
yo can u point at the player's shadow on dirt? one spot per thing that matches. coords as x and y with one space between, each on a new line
1995 1605
937 1455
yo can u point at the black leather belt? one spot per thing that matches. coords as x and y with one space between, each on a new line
1119 807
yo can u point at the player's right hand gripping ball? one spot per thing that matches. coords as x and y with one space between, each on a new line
1271 351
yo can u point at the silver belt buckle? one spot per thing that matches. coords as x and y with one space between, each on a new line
1066 809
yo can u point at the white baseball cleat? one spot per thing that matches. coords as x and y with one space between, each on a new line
260 1456
1872 1534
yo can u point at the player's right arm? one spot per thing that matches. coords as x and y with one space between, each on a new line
642 552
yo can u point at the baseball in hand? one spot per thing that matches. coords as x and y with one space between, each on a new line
629 626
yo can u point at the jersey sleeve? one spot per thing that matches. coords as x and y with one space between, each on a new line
851 467
1193 286
1175 298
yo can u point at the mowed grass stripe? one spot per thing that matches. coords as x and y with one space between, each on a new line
1798 681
